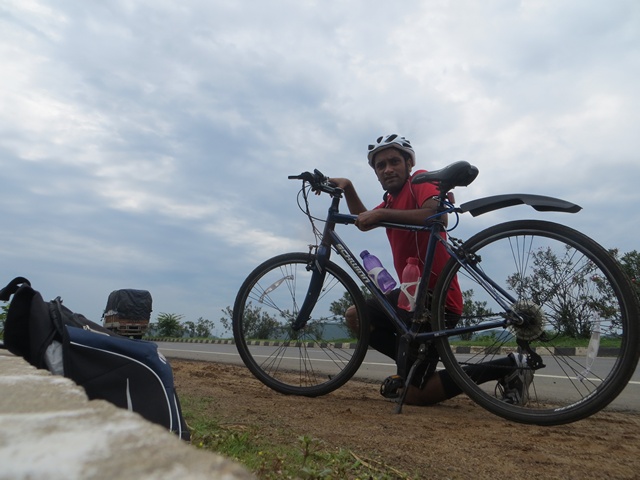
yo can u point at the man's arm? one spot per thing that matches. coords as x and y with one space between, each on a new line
354 203
371 218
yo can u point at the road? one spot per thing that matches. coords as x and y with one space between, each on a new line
375 367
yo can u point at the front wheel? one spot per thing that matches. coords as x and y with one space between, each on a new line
577 315
311 361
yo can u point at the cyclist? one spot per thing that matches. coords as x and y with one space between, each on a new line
392 158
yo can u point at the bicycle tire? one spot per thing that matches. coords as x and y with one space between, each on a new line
589 284
310 362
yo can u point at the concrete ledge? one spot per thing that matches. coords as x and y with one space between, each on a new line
49 429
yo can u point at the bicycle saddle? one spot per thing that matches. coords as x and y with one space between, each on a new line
458 174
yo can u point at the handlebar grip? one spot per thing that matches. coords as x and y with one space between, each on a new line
306 176
315 179
318 181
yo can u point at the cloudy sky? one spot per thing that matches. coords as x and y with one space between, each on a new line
146 143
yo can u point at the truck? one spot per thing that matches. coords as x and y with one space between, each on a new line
128 312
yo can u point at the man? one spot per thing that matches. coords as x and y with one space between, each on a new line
392 158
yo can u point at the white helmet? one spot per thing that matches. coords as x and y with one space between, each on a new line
389 141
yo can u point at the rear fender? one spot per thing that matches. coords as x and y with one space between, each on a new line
538 202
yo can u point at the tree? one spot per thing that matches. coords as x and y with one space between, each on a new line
630 263
189 328
3 316
473 312
225 320
257 324
574 296
169 325
338 307
203 327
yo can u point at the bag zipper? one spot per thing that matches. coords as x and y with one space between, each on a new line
89 329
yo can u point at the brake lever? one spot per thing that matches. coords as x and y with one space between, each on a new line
319 176
316 179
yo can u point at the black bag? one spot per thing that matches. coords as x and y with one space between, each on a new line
129 304
131 374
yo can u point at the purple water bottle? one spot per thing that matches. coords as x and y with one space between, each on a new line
377 272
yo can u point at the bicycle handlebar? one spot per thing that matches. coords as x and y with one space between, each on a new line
457 174
317 180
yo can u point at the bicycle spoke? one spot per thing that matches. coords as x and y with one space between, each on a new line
305 361
570 297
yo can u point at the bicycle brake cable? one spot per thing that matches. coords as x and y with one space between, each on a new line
304 192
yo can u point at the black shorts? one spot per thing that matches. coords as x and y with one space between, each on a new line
384 336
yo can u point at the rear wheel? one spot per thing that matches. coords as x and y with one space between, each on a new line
566 290
316 359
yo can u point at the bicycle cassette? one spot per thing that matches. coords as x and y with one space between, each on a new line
534 320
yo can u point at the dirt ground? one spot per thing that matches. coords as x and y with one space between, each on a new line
455 439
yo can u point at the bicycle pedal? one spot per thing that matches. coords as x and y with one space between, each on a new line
391 386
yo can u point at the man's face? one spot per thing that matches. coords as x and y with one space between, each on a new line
391 169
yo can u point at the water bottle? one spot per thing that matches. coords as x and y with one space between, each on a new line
409 285
377 272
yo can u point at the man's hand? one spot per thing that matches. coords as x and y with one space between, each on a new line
343 183
368 220
353 201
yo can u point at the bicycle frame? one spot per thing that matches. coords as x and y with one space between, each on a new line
457 174
507 264
330 239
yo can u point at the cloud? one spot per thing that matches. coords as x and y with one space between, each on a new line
147 144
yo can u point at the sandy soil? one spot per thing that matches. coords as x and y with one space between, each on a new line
455 439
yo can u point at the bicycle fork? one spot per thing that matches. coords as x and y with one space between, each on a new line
316 266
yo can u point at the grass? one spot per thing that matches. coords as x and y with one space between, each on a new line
276 455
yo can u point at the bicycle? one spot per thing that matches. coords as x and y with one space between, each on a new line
290 331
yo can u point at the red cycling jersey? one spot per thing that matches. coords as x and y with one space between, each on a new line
405 244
